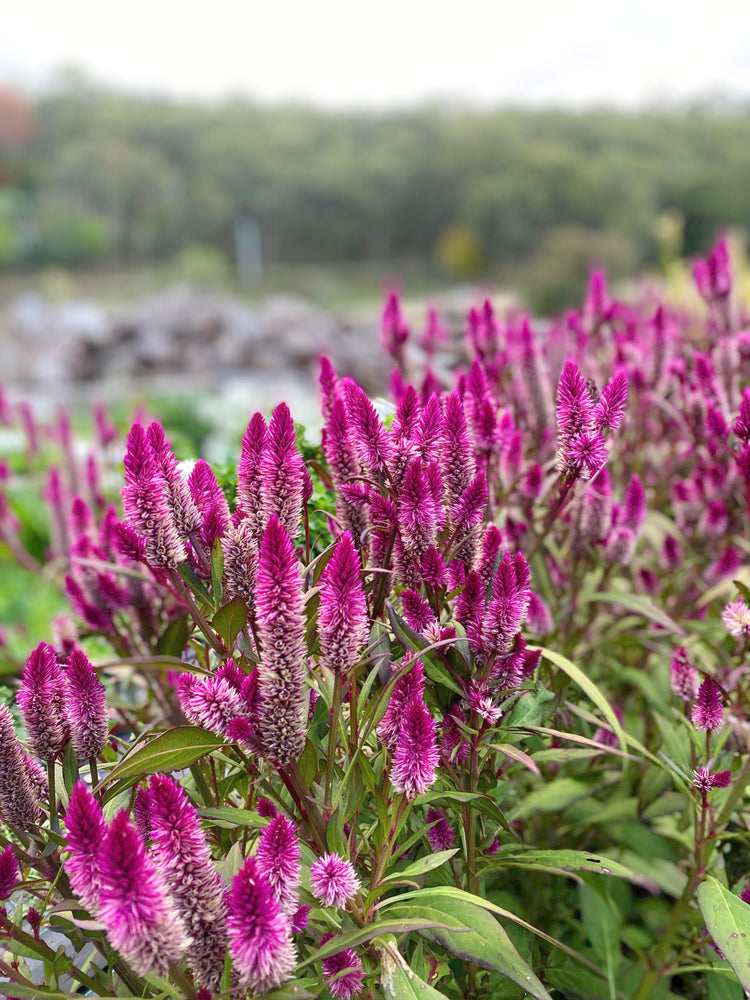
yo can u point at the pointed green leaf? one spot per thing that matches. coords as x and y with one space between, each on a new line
570 861
424 865
230 620
639 605
728 920
399 982
169 751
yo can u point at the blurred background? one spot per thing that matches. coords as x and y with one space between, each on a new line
185 198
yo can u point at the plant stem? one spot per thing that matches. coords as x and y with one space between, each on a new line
53 819
291 775
332 734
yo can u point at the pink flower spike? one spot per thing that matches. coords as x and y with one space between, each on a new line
259 933
333 880
142 923
249 474
708 711
187 517
406 688
610 409
85 835
343 972
416 757
41 702
282 472
278 859
342 619
10 873
281 628
183 860
85 707
704 781
18 798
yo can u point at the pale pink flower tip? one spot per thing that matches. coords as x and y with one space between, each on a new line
333 880
85 707
278 858
259 933
736 617
708 712
704 781
86 830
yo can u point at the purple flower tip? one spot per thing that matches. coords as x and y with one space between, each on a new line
259 932
416 757
708 711
333 880
10 873
85 707
440 834
343 972
278 859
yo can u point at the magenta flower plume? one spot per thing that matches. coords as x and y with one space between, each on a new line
506 610
328 386
278 859
742 424
85 707
406 688
18 800
185 512
430 431
281 629
433 569
713 276
468 512
209 702
440 834
395 328
146 506
704 781
610 409
343 972
419 510
684 678
333 880
708 711
418 614
343 462
183 860
249 478
575 414
369 434
85 837
416 757
342 620
266 808
10 873
209 499
240 550
141 921
259 932
406 421
41 702
282 472
457 461
634 505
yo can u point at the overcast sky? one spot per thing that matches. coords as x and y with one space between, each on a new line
385 52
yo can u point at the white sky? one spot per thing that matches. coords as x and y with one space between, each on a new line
385 52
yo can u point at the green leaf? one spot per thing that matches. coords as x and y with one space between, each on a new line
569 861
217 572
170 751
354 938
530 709
508 750
399 982
485 942
728 920
229 818
553 797
638 604
173 640
230 620
587 686
290 991
424 865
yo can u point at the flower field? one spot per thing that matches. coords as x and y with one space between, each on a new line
452 705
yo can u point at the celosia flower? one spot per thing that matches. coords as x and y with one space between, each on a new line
342 619
343 972
736 617
281 628
146 505
240 550
249 497
142 923
713 276
610 409
684 678
416 756
419 510
480 700
209 499
333 880
433 569
85 707
585 455
742 424
704 781
187 516
634 505
406 688
278 859
429 435
457 461
265 807
575 412
620 546
506 609
10 873
142 813
209 702
708 711
18 801
183 859
300 918
440 834
368 433
85 836
395 328
282 471
538 615
596 509
468 512
41 702
454 747
259 932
